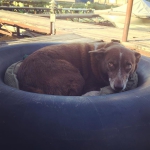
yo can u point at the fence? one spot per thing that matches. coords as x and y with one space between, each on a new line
38 10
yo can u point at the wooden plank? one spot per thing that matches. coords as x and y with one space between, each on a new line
27 21
69 38
2 31
65 16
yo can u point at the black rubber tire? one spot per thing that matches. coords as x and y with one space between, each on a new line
37 121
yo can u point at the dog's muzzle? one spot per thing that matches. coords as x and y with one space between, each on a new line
118 84
118 87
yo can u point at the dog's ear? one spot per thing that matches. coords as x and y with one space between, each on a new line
99 53
137 56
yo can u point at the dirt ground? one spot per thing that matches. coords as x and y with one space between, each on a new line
7 38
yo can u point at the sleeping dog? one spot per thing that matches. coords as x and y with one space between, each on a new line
76 68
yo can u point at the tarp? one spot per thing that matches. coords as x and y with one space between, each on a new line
140 14
140 8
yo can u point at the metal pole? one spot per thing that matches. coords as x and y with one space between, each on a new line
127 21
52 17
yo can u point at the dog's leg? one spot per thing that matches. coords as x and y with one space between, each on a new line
69 84
55 77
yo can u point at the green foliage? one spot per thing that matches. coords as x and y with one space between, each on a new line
45 3
98 6
82 5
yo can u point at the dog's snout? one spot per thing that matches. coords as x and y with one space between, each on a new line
118 87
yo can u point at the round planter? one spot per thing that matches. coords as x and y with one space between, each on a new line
38 121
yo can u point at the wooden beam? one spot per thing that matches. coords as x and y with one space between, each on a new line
18 31
25 26
127 21
64 16
2 31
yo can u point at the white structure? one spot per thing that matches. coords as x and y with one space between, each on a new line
140 14
117 2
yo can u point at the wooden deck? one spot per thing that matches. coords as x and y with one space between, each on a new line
62 38
25 21
74 31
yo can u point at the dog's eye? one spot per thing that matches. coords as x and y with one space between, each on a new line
128 66
111 64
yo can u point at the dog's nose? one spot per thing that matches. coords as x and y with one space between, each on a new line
118 88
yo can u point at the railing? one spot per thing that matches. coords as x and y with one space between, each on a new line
39 10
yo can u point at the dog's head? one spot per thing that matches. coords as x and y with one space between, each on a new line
116 63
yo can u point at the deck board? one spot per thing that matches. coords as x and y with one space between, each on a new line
69 38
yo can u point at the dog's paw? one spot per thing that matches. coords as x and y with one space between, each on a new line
92 93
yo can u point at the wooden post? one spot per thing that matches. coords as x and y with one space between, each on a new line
18 31
127 21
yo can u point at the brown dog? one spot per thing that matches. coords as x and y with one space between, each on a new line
74 69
